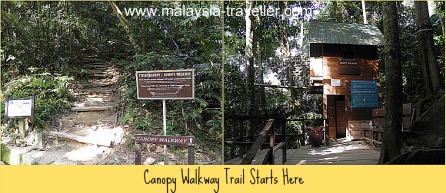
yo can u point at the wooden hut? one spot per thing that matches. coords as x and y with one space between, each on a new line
344 68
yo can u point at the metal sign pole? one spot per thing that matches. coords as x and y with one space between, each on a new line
164 128
160 84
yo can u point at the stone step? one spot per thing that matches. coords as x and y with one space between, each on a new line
93 97
92 108
96 91
97 85
91 59
98 64
103 67
103 98
100 121
104 75
91 103
91 55
102 71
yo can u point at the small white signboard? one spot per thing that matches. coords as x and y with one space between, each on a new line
20 108
335 82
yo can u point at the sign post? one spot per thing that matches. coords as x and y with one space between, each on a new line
188 141
23 109
164 127
164 85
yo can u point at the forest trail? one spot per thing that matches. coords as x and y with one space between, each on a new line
88 133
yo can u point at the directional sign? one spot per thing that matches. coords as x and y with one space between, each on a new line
165 84
166 140
188 141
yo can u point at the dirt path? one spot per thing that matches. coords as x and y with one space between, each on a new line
89 133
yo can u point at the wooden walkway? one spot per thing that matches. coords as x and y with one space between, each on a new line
337 153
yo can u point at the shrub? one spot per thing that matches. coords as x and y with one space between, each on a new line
51 96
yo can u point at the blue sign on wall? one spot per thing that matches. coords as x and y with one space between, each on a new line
364 94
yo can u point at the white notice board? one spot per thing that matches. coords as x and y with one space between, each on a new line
335 82
19 108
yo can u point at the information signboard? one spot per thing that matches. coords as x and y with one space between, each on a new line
22 109
364 94
19 108
335 82
165 84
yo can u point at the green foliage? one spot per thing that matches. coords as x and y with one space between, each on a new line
169 43
54 36
145 115
5 153
51 94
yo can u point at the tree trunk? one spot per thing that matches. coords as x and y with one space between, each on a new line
364 14
336 16
287 64
126 25
391 146
431 72
262 80
250 73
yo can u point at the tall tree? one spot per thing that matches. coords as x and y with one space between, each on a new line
431 72
126 25
428 58
249 55
391 146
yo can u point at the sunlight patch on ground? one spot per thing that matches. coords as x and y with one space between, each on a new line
330 158
103 134
86 153
335 149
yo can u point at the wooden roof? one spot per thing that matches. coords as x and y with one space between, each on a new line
344 33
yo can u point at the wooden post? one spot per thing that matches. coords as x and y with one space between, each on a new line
6 108
1 145
33 102
242 129
326 135
256 146
190 155
284 124
231 148
165 128
22 128
271 145
137 154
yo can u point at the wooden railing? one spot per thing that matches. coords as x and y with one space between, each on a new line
258 142
376 133
254 141
304 127
241 139
373 135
